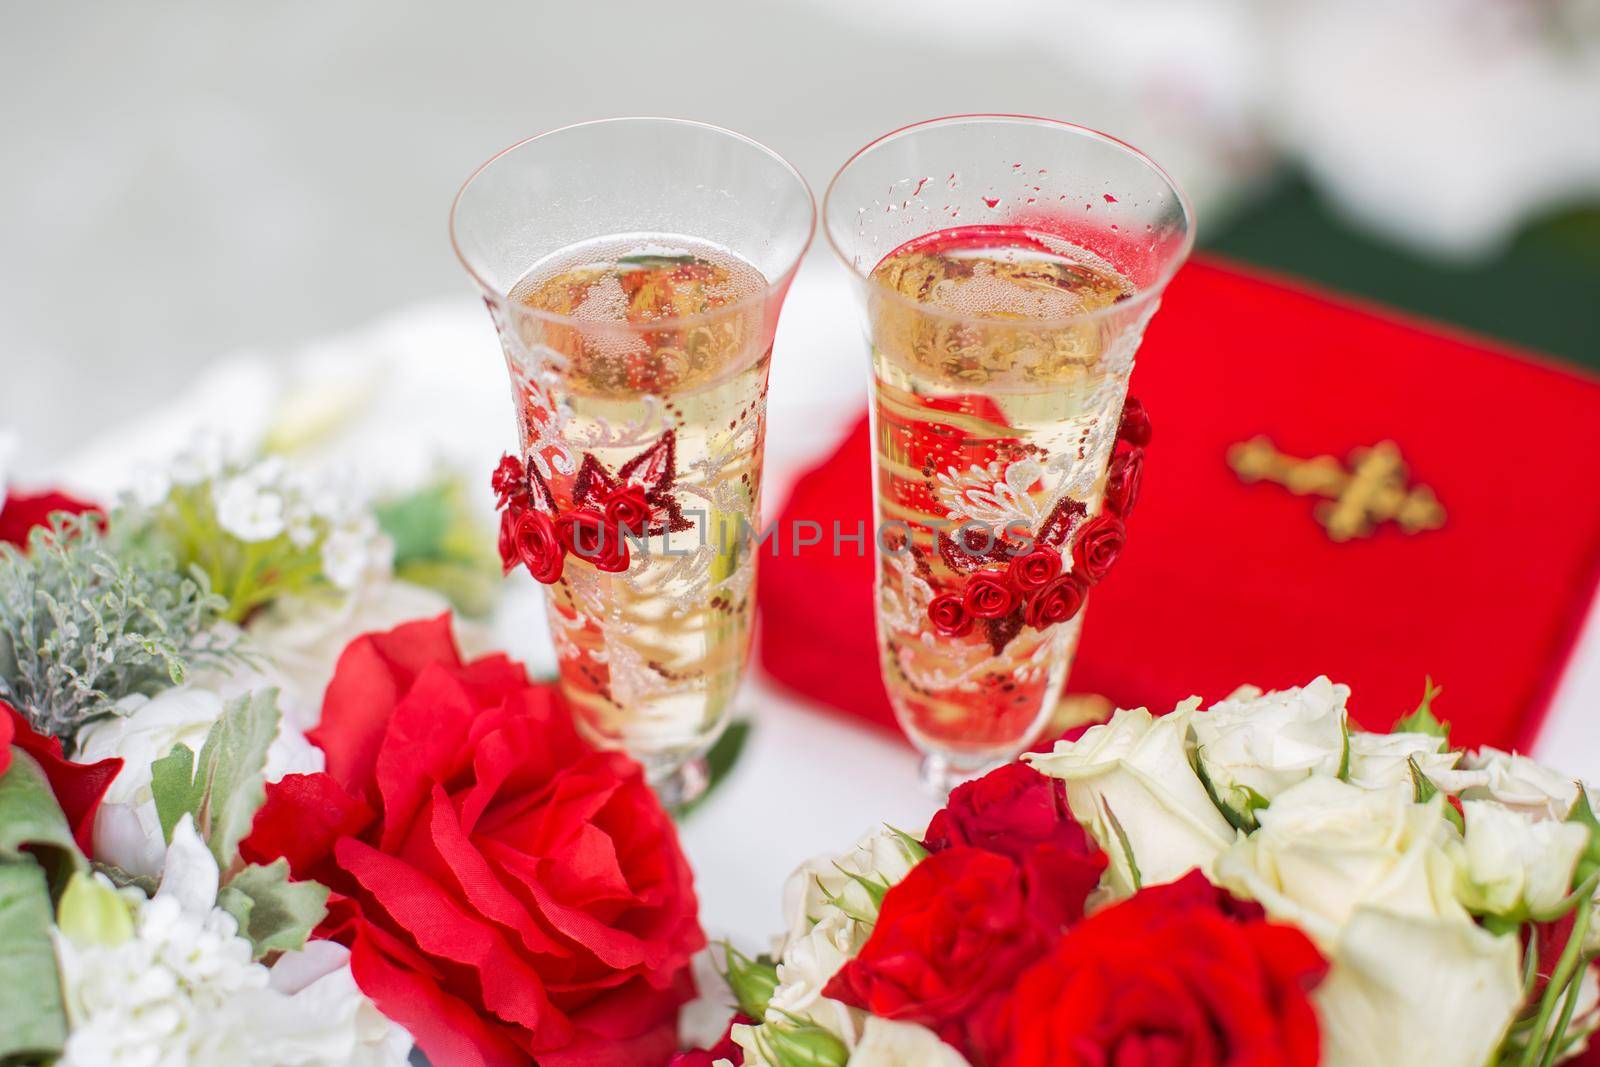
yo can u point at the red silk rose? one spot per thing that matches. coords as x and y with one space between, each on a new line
1011 810
628 510
1035 569
1178 975
585 533
949 615
952 936
989 596
538 547
509 894
1097 547
1134 426
1123 481
510 484
21 513
78 787
1056 602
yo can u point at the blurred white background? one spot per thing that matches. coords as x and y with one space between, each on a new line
184 180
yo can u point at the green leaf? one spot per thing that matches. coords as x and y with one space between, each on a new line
172 786
1344 755
1423 720
439 543
30 988
31 820
913 847
223 787
1243 818
1423 790
277 915
1589 858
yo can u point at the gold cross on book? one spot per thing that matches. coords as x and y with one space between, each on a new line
1371 492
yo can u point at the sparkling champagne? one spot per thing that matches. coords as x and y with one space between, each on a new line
647 370
1001 368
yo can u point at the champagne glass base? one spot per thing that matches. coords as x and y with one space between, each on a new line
939 774
679 785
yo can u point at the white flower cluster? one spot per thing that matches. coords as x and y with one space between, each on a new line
176 985
1275 797
266 499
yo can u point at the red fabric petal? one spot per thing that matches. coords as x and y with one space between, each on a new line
22 512
636 1024
447 1029
79 787
372 673
302 818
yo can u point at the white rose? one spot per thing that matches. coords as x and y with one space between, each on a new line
127 831
1515 781
830 886
886 1043
1263 743
1514 864
808 965
1407 990
1130 783
1378 760
305 636
1325 846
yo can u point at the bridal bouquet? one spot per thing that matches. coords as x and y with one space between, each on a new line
1257 883
257 807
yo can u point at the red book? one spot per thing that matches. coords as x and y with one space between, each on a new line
1225 582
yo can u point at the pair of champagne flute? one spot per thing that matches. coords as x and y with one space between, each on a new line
635 269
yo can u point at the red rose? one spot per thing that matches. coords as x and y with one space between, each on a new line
1034 569
952 936
586 534
78 786
1135 425
1123 481
628 510
1056 602
1176 976
509 894
538 547
949 615
1097 546
21 513
509 556
989 596
1011 810
510 483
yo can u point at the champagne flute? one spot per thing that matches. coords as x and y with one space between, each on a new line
1007 267
635 269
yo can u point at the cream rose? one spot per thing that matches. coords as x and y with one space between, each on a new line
1515 781
885 1043
1130 783
1378 760
1514 864
1256 744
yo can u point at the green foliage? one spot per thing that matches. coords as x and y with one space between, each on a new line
1423 720
277 915
1589 859
82 627
32 825
439 544
35 1021
223 787
245 575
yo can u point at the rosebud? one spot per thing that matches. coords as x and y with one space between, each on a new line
1135 425
1123 481
948 615
989 596
1096 547
752 981
800 1044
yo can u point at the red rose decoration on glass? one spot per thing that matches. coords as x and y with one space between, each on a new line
1175 976
510 895
585 533
1097 546
1123 481
1134 426
537 546
949 615
1057 602
989 595
1033 591
1011 810
628 510
1035 570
